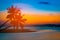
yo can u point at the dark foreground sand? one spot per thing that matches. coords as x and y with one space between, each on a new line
16 31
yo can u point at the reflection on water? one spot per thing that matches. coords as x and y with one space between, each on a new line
47 34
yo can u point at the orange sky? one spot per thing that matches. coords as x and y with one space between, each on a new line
42 19
37 18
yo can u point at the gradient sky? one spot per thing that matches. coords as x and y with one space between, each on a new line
35 13
54 5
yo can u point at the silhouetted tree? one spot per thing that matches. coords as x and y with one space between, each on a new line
15 17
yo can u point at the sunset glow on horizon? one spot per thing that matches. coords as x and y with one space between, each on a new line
33 19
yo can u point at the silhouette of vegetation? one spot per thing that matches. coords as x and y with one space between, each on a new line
15 18
47 25
3 25
4 28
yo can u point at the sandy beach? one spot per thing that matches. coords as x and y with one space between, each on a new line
39 35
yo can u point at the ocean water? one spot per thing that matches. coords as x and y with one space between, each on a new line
48 28
43 33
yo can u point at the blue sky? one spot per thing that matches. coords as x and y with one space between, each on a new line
54 5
